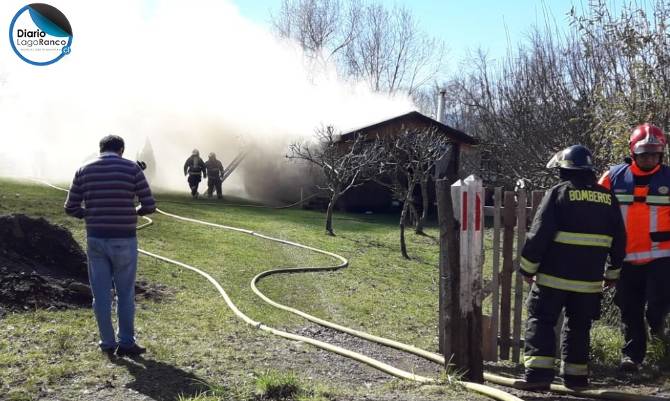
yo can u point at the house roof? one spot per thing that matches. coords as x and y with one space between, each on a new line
452 133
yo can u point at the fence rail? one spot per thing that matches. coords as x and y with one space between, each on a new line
511 213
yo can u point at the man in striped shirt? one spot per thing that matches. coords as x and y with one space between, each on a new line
107 186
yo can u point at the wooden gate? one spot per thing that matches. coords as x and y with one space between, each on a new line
511 213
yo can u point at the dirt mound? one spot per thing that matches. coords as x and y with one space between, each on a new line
42 266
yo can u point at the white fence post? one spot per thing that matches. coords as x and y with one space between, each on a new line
468 199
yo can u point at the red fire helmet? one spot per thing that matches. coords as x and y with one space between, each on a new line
647 138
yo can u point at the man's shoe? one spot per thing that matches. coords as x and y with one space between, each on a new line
133 350
531 386
628 365
109 352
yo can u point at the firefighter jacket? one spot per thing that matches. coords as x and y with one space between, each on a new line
645 206
214 169
195 166
577 225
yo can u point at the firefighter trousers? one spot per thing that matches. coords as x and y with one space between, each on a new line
643 287
544 307
214 183
193 182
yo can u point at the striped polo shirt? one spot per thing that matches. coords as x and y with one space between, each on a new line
108 186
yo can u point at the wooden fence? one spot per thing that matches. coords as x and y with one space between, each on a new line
512 212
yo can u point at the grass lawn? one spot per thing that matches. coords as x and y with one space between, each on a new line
194 341
198 350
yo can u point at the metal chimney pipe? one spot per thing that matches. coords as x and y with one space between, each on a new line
440 106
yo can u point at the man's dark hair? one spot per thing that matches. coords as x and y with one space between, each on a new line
111 143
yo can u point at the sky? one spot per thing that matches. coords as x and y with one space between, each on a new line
463 25
179 77
212 77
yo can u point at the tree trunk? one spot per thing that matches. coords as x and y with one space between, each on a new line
412 215
329 214
403 217
425 203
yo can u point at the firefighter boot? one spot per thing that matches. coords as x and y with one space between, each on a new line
628 365
532 385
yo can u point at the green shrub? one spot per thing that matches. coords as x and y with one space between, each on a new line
656 352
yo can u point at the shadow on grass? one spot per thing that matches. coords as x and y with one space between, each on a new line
160 381
434 238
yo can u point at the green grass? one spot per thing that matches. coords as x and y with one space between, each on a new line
275 385
200 351
606 343
192 337
270 385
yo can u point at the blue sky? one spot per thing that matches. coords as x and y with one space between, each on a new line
462 24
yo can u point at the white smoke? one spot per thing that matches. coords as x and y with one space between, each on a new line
184 74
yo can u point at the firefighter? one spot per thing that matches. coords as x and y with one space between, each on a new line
577 225
194 168
215 176
642 187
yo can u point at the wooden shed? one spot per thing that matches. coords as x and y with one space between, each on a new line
374 197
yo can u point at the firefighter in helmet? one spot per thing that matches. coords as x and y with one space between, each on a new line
194 168
642 187
215 175
576 227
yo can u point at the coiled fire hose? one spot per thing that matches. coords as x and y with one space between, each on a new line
603 394
384 367
482 389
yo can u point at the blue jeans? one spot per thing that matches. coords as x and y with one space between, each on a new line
113 262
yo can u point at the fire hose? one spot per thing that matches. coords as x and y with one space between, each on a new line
603 394
480 388
384 367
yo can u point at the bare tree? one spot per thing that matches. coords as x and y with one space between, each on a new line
589 85
391 53
345 164
385 47
410 161
525 108
321 27
628 55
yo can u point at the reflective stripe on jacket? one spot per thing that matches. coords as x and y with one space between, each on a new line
577 225
645 209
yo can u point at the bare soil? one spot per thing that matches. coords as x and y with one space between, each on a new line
42 266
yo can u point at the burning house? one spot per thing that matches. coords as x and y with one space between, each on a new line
374 197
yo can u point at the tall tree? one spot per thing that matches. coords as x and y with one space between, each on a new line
322 28
391 53
590 85
384 47
524 109
628 56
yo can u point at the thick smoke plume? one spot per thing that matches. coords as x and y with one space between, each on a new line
183 76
